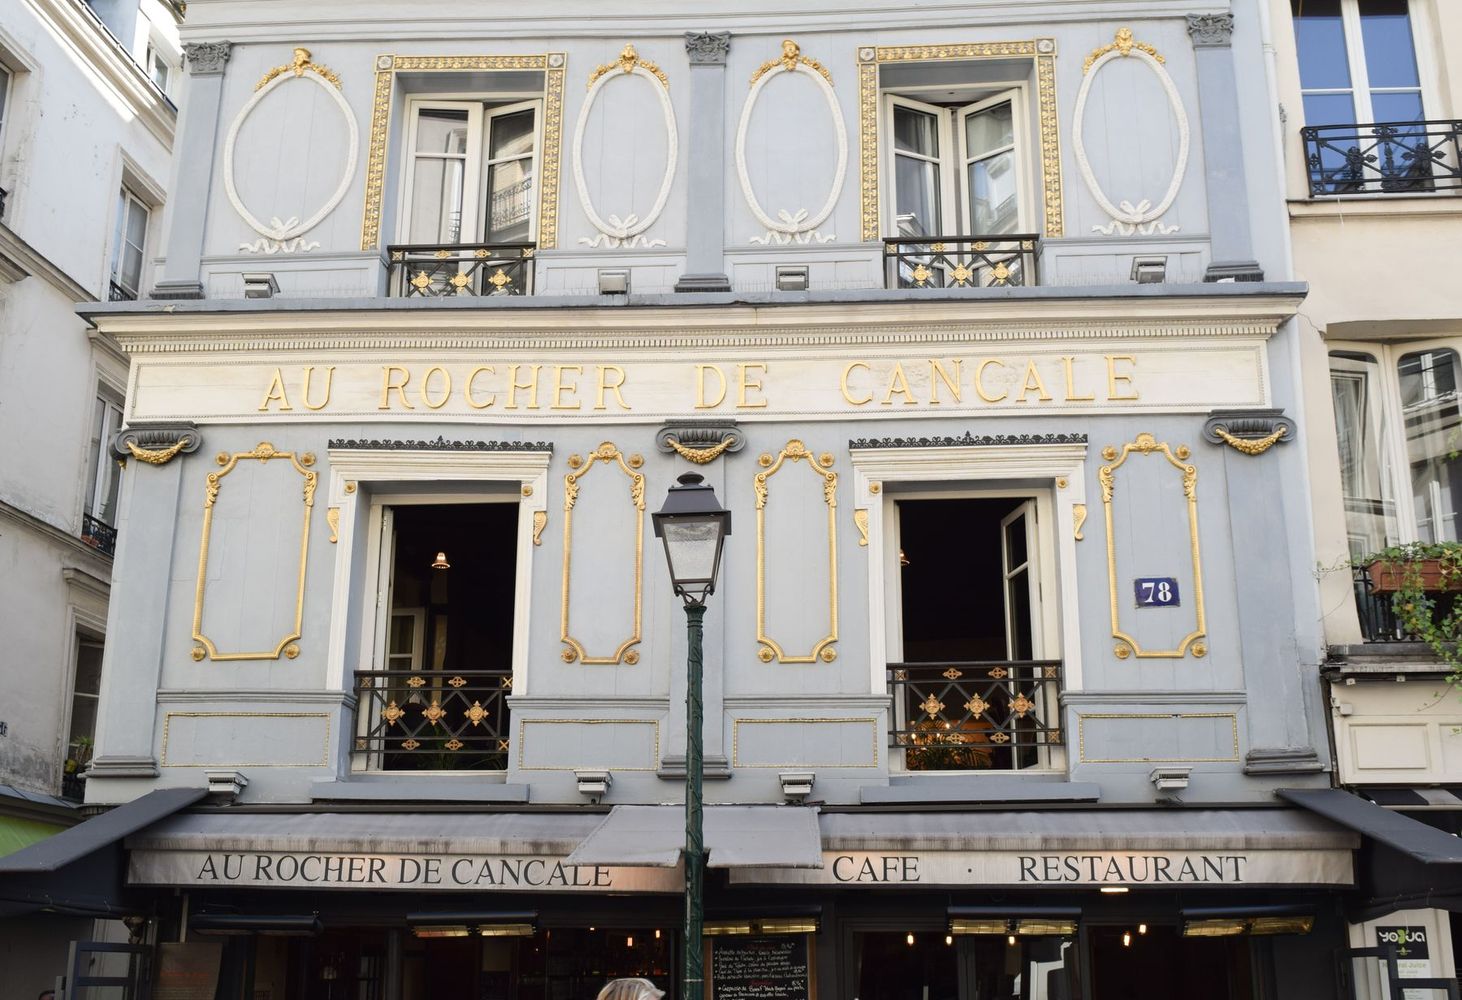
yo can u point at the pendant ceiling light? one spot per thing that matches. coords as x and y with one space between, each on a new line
441 562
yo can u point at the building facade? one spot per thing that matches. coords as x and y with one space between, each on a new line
86 130
983 331
1371 98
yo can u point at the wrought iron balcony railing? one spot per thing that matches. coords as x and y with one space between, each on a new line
1379 621
1384 158
432 270
99 535
433 720
120 293
984 715
960 261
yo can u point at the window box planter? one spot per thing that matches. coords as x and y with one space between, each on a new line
1388 576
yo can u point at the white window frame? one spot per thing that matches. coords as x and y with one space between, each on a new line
1393 420
1360 78
444 478
481 109
156 53
7 105
1053 471
126 199
108 405
954 196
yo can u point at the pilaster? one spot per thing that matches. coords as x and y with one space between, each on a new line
1232 246
705 224
193 171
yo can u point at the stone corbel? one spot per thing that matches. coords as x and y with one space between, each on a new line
707 48
207 58
1251 432
156 444
700 441
1211 29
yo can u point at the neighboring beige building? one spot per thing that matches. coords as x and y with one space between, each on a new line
1370 98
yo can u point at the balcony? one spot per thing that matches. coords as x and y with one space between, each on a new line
432 721
99 535
960 261
473 269
1383 159
976 716
120 293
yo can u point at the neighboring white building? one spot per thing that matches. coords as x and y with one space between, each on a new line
87 116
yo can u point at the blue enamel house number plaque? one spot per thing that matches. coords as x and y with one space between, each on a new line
1156 591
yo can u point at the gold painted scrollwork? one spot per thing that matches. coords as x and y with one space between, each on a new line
860 520
1146 444
265 452
540 521
332 518
606 454
1078 518
796 451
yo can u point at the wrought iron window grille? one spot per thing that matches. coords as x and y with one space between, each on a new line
961 261
433 720
975 715
99 535
474 269
1383 158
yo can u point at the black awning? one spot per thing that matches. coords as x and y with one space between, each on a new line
1415 839
98 832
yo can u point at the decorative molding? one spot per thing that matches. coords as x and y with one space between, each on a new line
264 453
553 65
627 232
207 58
967 440
1146 445
870 721
287 235
1282 760
579 467
156 444
1041 50
821 466
701 442
332 518
1211 30
1250 432
540 521
1131 716
1078 518
860 521
707 48
439 444
1142 218
789 226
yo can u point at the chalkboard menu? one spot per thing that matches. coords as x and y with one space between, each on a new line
761 968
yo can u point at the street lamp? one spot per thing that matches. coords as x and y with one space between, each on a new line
693 526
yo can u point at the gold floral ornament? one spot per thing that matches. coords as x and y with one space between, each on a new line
407 744
700 456
977 705
626 63
932 706
1122 44
454 745
788 61
457 682
434 712
392 713
300 65
1250 446
953 674
159 456
1021 705
476 713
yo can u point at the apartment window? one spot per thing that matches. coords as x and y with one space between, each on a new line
1357 61
85 694
472 175
1399 432
128 244
99 519
976 680
5 80
159 67
437 698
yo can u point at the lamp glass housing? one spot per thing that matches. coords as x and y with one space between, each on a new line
693 526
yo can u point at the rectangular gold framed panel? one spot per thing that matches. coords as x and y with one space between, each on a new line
870 721
553 65
167 724
579 467
1081 737
821 465
523 725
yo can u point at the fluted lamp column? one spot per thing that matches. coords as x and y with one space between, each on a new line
693 526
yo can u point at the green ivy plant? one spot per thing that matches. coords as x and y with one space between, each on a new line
1428 610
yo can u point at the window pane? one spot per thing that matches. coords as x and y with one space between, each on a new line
510 200
136 222
1320 38
83 721
512 135
994 207
403 635
1329 109
441 130
916 196
436 201
4 92
98 431
915 131
1385 29
1402 107
989 130
88 668
1365 461
1433 436
131 272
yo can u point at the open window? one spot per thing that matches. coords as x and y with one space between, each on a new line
435 698
975 670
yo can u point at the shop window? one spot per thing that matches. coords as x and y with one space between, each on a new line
976 681
936 965
85 694
129 242
104 476
437 698
1139 961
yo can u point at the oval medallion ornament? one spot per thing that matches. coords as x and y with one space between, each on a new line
792 226
615 231
287 235
1128 219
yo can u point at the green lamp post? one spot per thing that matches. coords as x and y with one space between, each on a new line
694 527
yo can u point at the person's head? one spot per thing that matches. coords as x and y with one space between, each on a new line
47 995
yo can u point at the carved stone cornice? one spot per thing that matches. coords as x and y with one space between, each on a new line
700 441
207 58
1251 432
440 444
707 48
1211 29
966 440
156 444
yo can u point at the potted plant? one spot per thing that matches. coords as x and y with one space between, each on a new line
1423 580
